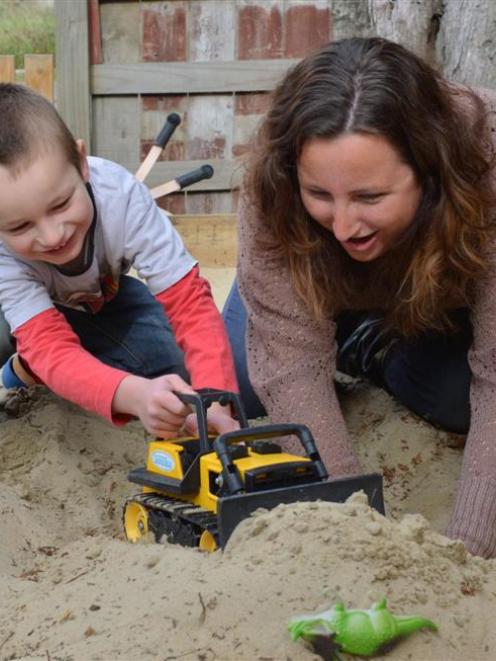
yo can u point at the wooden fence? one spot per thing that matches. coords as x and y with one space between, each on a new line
122 66
38 72
101 101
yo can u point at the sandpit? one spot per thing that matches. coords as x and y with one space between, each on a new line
73 589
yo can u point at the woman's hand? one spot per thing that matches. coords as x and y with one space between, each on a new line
219 420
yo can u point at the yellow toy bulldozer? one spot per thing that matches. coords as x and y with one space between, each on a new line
196 490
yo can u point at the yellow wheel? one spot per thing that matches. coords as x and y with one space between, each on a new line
135 521
207 542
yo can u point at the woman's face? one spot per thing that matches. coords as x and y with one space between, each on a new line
358 187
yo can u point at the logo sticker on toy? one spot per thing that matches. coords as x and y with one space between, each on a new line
163 460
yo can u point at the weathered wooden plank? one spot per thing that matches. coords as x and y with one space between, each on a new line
211 239
212 31
116 129
38 74
227 173
208 202
73 90
260 29
209 126
307 26
121 31
187 77
7 68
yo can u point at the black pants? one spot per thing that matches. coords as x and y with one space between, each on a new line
130 332
429 375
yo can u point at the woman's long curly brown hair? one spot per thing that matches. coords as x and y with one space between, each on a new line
376 86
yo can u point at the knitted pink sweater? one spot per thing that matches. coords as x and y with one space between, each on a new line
291 361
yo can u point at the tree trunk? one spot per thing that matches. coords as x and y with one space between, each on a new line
350 18
466 43
455 36
412 23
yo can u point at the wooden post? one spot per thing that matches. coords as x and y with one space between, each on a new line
7 69
95 32
73 80
38 74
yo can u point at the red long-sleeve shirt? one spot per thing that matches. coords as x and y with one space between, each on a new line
54 354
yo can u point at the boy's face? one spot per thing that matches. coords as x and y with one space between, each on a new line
45 209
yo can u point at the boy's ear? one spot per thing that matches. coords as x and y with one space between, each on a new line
85 170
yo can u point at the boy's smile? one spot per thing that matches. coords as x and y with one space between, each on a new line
45 208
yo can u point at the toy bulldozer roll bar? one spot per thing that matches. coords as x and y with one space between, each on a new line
201 400
231 473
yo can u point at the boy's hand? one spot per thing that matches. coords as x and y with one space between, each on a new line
161 412
153 402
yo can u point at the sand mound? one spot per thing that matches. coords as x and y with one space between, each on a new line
72 588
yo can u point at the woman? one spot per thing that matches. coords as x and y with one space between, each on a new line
367 244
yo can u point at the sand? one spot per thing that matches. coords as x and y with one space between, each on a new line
73 589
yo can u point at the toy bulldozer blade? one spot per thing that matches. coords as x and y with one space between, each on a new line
239 504
233 509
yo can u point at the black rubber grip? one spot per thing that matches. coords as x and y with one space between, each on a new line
205 172
168 129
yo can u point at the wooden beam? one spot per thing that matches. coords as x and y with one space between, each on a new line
7 69
228 173
71 47
116 128
38 74
187 77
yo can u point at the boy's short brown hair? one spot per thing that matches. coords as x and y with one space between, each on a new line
30 124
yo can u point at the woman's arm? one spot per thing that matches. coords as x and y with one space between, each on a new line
291 358
474 515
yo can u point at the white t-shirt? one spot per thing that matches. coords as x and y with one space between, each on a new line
130 231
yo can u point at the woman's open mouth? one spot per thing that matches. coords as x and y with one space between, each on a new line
362 243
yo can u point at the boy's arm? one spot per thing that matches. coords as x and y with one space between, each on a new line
54 354
155 249
200 332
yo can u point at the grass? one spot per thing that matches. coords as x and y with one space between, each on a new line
26 26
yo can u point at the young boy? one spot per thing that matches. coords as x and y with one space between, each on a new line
71 226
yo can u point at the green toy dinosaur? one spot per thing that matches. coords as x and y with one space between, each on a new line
361 632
